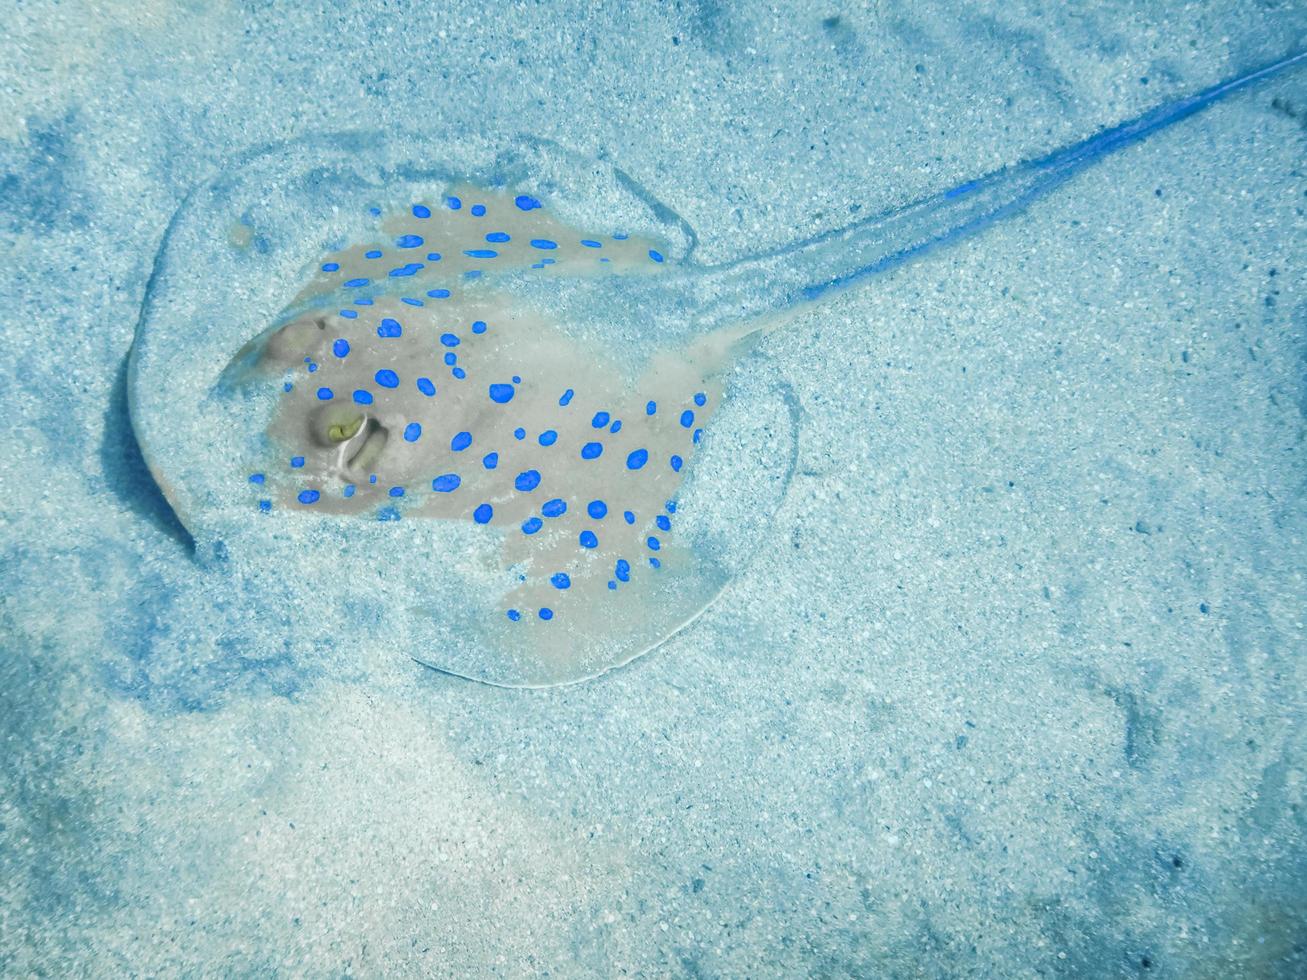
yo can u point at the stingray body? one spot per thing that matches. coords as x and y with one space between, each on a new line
459 354
428 390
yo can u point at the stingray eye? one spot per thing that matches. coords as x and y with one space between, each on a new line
370 439
331 425
290 343
343 431
361 436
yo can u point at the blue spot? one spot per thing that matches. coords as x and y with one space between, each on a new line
408 241
497 237
372 478
453 203
362 396
421 211
698 435
525 202
460 441
591 243
459 373
426 387
628 516
438 293
483 513
433 256
650 408
478 210
676 462
637 459
400 272
592 450
312 367
597 509
324 394
355 283
527 481
387 378
257 477
296 462
671 506
600 420
554 508
341 347
350 314
364 301
373 254
531 525
502 394
411 301
546 613
412 432
519 433
389 328
548 437
559 580
655 255
478 326
490 460
446 483
265 505
543 243
514 615
664 522
653 543
330 266
287 386
397 491
516 380
700 399
655 563
480 253
687 419
449 339
567 397
623 570
349 490
309 496
616 426
451 359
588 539
612 584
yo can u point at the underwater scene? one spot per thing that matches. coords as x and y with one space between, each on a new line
664 489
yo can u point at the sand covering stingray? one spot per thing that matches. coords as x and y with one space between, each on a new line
524 350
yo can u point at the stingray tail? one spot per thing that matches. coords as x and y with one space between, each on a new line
838 259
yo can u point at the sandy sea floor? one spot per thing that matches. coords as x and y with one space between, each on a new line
1014 686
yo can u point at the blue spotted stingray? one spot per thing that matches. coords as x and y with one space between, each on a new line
467 349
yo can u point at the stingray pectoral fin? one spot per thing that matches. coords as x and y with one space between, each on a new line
752 288
593 638
629 594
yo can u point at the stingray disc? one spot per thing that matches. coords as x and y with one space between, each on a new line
350 366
